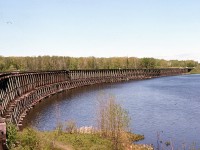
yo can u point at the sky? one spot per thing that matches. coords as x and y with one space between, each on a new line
101 28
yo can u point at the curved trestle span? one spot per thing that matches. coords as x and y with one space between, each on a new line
20 91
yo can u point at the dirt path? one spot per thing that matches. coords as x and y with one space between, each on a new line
62 146
59 145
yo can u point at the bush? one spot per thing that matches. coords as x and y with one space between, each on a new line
11 134
113 122
29 139
71 127
59 128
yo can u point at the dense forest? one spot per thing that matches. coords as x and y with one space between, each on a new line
61 63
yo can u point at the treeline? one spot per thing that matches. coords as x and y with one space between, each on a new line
62 63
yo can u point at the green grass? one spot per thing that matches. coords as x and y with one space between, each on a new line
196 70
31 139
82 141
86 141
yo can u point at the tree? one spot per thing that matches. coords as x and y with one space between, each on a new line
113 121
191 63
58 62
148 63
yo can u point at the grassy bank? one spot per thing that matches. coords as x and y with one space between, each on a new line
113 132
196 70
31 139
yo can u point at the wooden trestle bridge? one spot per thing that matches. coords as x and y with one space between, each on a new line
20 91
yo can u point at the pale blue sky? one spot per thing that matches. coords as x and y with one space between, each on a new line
141 28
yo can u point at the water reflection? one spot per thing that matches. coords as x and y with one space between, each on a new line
168 105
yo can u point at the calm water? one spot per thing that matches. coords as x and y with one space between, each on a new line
168 105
